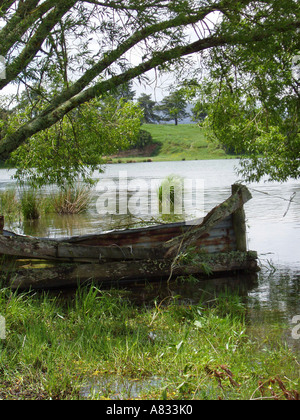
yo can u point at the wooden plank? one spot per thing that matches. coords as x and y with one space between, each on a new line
152 234
218 214
25 247
239 225
1 224
72 275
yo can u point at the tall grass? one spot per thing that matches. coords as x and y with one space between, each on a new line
54 347
74 200
170 197
9 204
30 205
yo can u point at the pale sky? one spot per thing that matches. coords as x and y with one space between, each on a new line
158 85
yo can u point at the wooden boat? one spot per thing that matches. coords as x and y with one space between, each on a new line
209 246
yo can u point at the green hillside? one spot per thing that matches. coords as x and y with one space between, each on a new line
186 141
182 142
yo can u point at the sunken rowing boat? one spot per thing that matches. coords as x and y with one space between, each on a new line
213 245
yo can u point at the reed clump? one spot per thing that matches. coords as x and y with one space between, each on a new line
9 203
30 205
72 200
170 198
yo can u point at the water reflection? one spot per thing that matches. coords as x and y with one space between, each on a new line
119 388
191 292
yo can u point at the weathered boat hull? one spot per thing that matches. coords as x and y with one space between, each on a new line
66 275
134 244
202 247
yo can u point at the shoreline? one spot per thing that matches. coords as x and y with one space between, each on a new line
170 143
153 159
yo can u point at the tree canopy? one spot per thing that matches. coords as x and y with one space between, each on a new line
75 146
90 47
252 100
173 107
148 106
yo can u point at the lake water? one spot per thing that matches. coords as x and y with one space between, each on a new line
272 231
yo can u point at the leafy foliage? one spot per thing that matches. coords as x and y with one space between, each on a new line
76 145
148 106
173 107
144 139
251 95
93 47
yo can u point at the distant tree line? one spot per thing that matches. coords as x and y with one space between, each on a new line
172 108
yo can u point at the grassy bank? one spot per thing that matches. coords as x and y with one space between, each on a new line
182 142
88 345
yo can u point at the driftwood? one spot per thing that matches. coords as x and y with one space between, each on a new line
72 274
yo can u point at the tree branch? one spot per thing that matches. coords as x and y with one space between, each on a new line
76 95
114 55
5 6
35 43
12 142
19 23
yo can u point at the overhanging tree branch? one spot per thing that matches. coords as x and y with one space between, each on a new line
114 55
20 22
35 43
168 18
5 6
